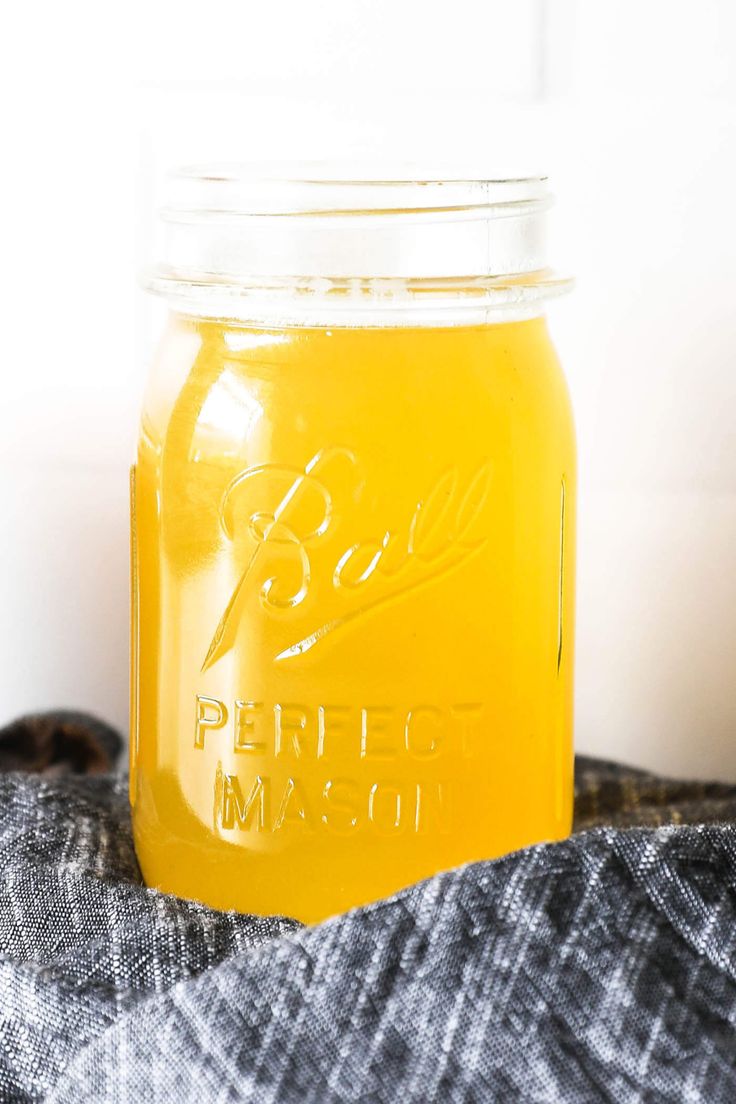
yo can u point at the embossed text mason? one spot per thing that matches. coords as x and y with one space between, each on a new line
353 540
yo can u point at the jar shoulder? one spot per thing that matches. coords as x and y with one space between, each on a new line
213 378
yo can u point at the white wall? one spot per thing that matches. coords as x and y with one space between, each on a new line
631 107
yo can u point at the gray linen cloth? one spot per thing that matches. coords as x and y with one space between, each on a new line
602 968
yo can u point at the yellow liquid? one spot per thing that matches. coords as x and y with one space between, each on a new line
353 609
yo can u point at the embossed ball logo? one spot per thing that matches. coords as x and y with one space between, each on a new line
288 518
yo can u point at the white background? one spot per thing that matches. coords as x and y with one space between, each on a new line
630 105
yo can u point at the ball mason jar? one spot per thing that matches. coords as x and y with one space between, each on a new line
353 541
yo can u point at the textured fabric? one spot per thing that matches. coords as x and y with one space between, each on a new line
600 968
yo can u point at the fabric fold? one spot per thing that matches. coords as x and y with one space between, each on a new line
599 968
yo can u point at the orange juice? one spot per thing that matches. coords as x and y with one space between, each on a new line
353 608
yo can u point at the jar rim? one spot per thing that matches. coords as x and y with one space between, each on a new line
319 234
327 188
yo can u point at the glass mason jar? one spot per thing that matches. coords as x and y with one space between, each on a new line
353 541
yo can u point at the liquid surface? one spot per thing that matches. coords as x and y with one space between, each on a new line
353 603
